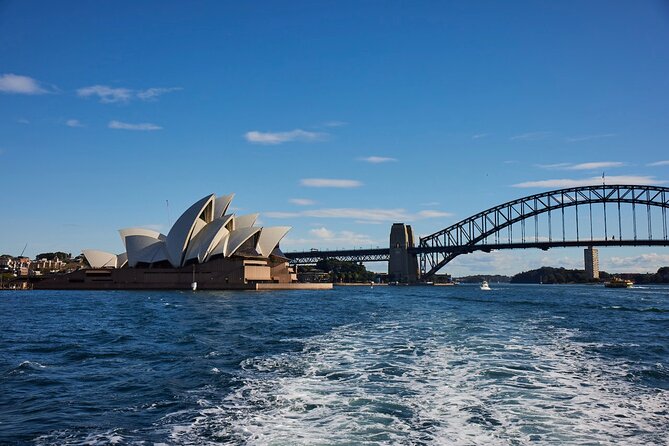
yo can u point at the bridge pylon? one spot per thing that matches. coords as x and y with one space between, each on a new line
402 265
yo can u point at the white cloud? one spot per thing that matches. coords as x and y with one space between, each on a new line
272 138
590 137
584 166
596 165
378 159
531 136
126 126
153 93
302 201
362 215
329 182
636 264
323 233
15 84
554 166
109 95
73 123
324 238
659 163
334 123
433 214
23 121
106 94
510 262
569 182
479 135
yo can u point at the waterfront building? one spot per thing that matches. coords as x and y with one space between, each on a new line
591 257
206 244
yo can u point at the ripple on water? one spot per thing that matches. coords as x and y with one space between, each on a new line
553 365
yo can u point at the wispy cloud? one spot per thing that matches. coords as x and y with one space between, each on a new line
302 201
570 182
23 121
583 166
531 136
334 124
73 123
554 165
152 94
659 163
330 182
273 138
432 214
479 135
108 95
146 126
590 137
596 165
362 215
16 84
326 238
378 159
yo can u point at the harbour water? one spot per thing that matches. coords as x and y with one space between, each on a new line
355 365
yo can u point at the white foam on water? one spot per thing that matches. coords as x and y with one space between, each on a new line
72 438
431 382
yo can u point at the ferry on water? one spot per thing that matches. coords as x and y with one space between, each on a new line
619 283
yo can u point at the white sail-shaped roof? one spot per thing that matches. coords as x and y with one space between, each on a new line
206 240
269 238
184 228
144 249
237 239
245 221
99 259
121 260
221 205
221 247
140 231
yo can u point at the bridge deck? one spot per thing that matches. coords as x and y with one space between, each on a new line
383 254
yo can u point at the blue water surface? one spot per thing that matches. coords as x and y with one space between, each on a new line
520 364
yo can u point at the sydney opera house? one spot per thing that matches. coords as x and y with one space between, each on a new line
206 245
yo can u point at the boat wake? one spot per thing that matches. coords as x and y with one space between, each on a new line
368 384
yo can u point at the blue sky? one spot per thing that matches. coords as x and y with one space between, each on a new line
337 118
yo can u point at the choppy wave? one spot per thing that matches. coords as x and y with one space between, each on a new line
388 365
378 384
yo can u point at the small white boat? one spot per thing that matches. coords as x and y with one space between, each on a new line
484 286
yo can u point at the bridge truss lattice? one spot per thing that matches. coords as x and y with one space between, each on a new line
531 222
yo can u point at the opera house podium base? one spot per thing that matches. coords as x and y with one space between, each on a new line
217 274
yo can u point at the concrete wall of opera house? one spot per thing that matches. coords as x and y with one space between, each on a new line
217 274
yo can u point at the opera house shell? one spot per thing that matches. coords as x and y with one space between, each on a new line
206 244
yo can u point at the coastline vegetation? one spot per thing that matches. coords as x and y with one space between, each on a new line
550 275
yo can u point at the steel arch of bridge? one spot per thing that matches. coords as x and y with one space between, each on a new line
473 233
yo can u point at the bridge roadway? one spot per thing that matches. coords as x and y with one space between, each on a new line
383 254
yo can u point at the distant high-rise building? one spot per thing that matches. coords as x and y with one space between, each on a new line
591 257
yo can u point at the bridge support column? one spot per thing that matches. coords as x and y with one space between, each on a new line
402 266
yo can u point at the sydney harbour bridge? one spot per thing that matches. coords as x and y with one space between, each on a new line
598 215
